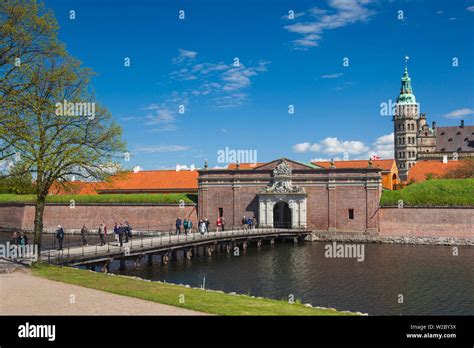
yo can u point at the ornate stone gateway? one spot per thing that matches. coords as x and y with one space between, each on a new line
278 197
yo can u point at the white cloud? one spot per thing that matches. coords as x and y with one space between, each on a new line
229 101
340 14
184 55
441 12
225 83
383 147
459 113
160 115
470 8
305 147
385 139
331 76
334 145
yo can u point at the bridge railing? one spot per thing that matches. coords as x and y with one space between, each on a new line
142 241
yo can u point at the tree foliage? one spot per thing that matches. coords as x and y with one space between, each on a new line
37 73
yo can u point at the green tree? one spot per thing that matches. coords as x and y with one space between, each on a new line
47 141
18 181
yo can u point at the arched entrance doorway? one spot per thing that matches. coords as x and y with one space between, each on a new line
281 215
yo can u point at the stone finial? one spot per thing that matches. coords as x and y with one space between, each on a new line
237 165
370 163
206 165
332 163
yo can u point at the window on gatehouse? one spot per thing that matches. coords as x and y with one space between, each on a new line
351 214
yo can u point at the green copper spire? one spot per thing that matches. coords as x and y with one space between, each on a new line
406 93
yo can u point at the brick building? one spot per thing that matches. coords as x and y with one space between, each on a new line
286 193
415 140
388 166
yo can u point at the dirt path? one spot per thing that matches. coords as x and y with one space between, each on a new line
23 294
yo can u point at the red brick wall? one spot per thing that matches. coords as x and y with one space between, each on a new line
139 216
317 207
12 215
351 198
427 222
328 202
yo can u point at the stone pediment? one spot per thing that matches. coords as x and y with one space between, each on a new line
281 183
292 164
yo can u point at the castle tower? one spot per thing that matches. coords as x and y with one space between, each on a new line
405 123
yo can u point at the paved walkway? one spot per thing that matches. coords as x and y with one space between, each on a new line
24 294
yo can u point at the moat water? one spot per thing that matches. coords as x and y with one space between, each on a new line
431 279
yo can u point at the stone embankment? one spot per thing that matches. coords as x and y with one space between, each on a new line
371 238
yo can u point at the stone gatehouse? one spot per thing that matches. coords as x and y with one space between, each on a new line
286 193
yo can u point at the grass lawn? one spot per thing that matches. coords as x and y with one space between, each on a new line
171 198
434 192
194 299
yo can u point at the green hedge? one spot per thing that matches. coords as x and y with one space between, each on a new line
167 198
435 192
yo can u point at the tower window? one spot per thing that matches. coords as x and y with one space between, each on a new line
443 149
351 214
459 149
466 139
450 139
458 133
442 133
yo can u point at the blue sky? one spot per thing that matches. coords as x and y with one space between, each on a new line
281 62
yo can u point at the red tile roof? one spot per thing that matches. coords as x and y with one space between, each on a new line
421 169
385 165
142 181
156 180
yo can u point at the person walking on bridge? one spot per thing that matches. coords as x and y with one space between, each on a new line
14 240
222 224
127 229
190 226
60 237
244 223
23 239
178 225
118 232
84 231
202 226
102 233
185 226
